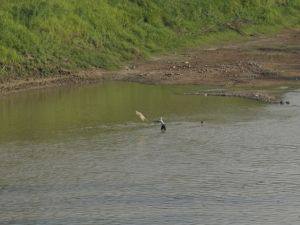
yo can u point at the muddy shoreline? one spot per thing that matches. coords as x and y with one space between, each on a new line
258 63
253 95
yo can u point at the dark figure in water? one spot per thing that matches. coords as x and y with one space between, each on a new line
163 126
286 102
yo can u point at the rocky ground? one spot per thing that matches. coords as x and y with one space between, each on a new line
261 61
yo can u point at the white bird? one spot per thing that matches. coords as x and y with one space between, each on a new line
163 127
140 115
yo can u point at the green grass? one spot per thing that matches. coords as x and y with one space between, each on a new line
41 37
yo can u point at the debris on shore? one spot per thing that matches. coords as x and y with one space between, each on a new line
258 96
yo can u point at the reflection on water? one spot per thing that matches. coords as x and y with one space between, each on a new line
80 156
43 114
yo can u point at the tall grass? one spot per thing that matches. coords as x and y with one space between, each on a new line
43 37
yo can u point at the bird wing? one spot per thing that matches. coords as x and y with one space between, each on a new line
140 115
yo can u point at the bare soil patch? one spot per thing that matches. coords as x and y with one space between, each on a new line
258 62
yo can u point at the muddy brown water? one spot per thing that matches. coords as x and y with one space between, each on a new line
80 156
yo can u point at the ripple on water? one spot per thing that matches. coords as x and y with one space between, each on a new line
243 171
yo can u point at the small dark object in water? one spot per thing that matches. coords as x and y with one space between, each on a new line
281 102
163 128
202 122
287 102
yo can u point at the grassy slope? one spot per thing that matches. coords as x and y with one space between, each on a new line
41 37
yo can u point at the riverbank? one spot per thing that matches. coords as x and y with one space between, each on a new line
44 38
259 63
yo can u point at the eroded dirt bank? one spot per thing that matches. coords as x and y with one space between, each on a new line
258 63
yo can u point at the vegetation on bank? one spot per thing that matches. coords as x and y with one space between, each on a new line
41 37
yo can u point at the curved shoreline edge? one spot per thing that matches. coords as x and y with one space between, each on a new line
259 63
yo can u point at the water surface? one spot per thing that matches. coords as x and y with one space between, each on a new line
80 156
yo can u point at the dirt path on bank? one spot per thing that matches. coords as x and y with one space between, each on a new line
259 62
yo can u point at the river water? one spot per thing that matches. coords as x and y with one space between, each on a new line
80 156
